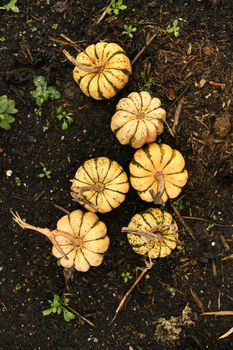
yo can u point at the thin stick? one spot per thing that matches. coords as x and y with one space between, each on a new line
62 209
218 313
177 114
182 221
123 300
213 83
180 95
148 42
226 334
157 197
148 234
78 314
104 13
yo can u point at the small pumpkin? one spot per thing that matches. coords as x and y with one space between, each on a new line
79 241
100 184
138 119
158 172
101 70
152 233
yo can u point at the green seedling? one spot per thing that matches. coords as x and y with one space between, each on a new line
115 7
210 226
11 6
64 117
43 92
179 204
129 30
45 172
172 291
18 181
57 306
175 28
126 276
147 81
7 108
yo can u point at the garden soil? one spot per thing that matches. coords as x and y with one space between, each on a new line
193 72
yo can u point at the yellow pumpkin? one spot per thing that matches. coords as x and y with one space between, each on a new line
100 184
158 172
138 119
79 241
101 70
152 233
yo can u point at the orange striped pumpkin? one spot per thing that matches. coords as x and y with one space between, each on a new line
100 184
138 119
158 172
101 70
152 233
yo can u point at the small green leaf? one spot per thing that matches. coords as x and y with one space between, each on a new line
47 312
68 316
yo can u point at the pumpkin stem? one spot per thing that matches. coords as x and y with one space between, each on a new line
78 194
157 197
152 235
50 234
123 300
81 66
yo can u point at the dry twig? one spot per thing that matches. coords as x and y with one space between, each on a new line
148 42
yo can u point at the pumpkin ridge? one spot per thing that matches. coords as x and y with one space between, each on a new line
91 59
100 93
172 184
81 252
103 53
115 76
109 166
123 70
93 240
93 180
141 99
109 189
96 54
89 83
132 137
80 79
146 150
120 127
151 212
83 182
96 168
122 110
179 172
95 223
147 188
121 171
133 103
172 156
78 234
145 220
107 201
117 53
136 163
109 81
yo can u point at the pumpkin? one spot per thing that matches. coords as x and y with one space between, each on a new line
100 184
138 119
101 70
158 172
153 233
79 240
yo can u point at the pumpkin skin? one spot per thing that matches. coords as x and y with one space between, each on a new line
109 176
146 221
138 119
113 70
91 236
156 161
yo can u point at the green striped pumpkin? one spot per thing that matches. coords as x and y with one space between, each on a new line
101 70
138 119
166 234
158 170
90 240
100 184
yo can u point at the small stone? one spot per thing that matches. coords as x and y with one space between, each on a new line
9 173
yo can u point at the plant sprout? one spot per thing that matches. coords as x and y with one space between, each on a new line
43 92
57 306
115 7
64 117
129 30
11 6
7 108
175 28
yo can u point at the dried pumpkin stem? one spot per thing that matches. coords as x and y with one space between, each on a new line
81 66
50 234
123 300
157 197
78 194
152 235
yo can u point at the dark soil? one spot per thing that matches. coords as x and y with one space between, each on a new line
201 271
